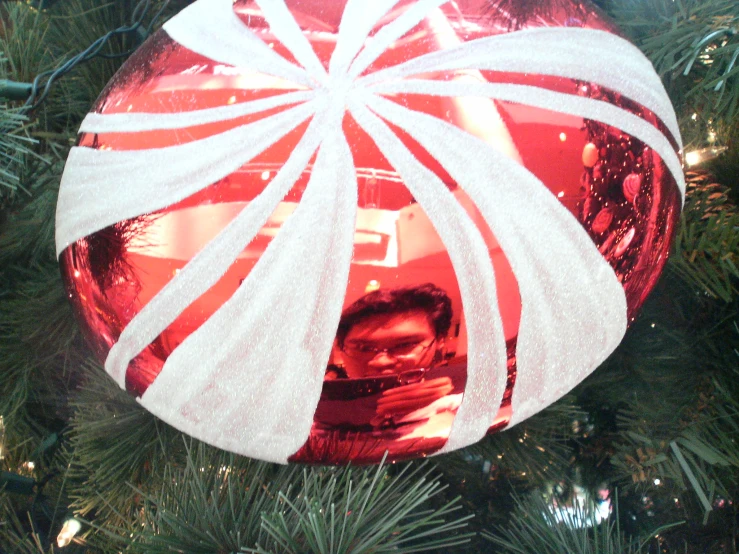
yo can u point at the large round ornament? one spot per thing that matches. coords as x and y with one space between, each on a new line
320 230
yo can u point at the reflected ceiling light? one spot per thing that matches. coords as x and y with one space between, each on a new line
372 285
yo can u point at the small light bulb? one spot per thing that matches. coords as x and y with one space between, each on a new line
265 175
563 137
70 528
692 158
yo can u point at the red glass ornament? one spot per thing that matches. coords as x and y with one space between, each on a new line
616 186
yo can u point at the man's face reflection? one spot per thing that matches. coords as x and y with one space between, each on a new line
389 344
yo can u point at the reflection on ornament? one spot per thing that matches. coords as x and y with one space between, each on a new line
624 243
372 286
589 155
257 163
632 186
574 507
602 221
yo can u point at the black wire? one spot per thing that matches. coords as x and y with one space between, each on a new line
137 17
38 501
156 17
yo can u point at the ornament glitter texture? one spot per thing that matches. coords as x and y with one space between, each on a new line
319 230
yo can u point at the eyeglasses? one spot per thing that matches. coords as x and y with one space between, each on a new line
402 351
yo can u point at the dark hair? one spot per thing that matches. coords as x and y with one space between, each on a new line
427 298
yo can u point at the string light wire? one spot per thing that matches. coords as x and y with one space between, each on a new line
38 90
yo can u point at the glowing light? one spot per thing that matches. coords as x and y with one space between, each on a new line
693 158
265 175
231 100
70 528
657 481
563 137
372 286
560 194
30 466
76 273
704 154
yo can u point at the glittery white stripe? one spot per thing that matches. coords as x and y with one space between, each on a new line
391 32
550 100
486 368
211 263
583 54
102 187
573 308
135 122
283 25
212 29
360 17
249 379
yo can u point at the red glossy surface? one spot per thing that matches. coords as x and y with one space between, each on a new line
617 188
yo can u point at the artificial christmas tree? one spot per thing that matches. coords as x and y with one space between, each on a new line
652 431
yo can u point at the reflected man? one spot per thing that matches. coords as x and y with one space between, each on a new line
398 332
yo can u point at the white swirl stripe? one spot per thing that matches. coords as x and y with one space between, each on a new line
360 16
136 122
570 296
486 366
283 25
211 263
143 181
550 100
582 54
212 29
390 33
245 391
249 378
